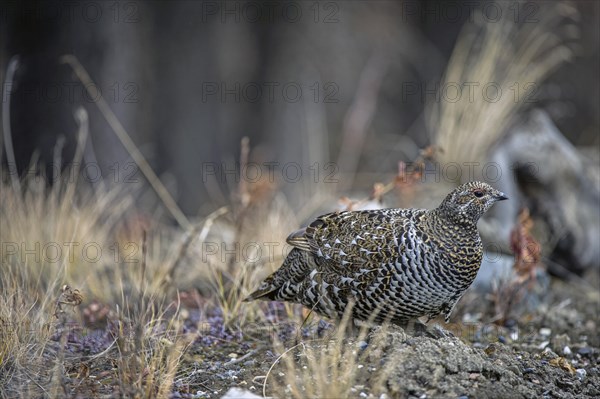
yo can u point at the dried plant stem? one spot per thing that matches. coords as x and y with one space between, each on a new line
129 145
6 129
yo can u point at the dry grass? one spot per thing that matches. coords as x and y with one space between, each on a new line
328 367
128 281
515 58
50 238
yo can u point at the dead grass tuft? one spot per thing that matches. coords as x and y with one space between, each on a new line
515 58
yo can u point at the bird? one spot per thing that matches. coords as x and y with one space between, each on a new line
392 265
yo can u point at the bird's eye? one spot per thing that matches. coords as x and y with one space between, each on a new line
478 193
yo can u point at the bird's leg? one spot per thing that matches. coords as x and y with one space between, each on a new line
437 332
355 327
419 328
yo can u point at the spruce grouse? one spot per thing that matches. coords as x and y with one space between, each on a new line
393 264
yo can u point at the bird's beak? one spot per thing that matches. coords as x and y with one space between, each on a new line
501 196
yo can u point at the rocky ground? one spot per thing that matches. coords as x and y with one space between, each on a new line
550 351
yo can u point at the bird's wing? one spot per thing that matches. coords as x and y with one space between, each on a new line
355 240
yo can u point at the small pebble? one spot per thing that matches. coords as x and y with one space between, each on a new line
362 345
528 370
510 323
585 351
363 395
549 353
567 351
581 373
545 331
544 344
514 369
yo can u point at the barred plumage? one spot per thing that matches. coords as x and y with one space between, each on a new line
396 264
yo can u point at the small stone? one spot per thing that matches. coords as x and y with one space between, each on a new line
238 393
585 351
549 354
590 325
474 376
528 370
363 395
567 351
469 318
490 350
544 344
581 373
514 369
545 331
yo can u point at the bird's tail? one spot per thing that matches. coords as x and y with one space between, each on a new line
266 291
284 284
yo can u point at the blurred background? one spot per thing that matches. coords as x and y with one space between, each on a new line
331 95
155 155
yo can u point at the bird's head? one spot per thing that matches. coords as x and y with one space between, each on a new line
468 202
